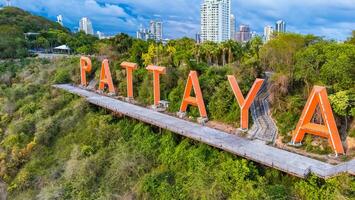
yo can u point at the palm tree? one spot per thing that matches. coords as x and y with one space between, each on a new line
197 52
223 46
206 50
171 51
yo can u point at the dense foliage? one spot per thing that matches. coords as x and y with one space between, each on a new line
43 35
299 63
55 146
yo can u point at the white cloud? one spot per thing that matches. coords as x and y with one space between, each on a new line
331 18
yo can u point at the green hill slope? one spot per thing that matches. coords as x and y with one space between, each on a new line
14 22
25 21
56 146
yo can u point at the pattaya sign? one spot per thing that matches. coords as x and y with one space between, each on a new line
318 97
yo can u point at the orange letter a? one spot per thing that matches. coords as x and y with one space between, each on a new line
192 82
245 104
105 77
85 66
329 130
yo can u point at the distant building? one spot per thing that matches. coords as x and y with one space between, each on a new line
233 27
60 20
198 37
85 25
280 26
268 32
244 34
8 3
100 35
144 34
215 20
156 30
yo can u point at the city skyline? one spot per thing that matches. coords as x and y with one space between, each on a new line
331 19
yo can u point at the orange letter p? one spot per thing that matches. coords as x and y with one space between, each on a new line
85 66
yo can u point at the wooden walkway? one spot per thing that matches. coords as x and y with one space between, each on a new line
255 150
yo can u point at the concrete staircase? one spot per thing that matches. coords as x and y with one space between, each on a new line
263 127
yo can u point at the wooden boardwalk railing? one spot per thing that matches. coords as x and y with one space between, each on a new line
255 150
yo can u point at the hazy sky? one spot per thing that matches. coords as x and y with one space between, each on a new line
330 18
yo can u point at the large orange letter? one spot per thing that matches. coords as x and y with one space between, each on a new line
105 77
157 70
329 130
245 104
129 71
85 66
192 82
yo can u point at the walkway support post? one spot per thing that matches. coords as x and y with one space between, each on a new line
130 67
85 66
329 130
157 70
245 104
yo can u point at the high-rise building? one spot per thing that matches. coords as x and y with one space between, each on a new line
268 31
85 25
60 19
8 3
143 33
215 20
156 29
244 34
280 26
233 27
253 34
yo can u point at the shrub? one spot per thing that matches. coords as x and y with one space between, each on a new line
62 76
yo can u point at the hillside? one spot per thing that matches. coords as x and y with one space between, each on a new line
25 21
14 22
55 146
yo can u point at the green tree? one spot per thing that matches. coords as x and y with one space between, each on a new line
136 51
351 40
342 103
279 53
208 49
12 42
339 69
149 56
42 42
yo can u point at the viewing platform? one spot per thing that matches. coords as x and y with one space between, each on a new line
255 150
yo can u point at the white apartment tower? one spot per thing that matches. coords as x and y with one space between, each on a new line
268 31
215 20
86 26
233 28
156 29
60 20
280 26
